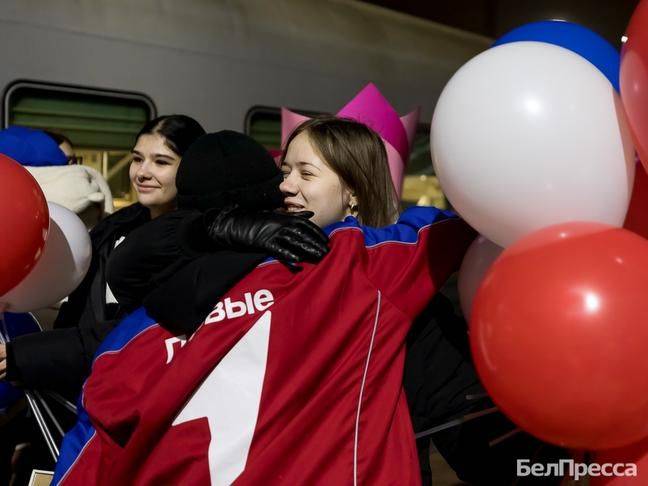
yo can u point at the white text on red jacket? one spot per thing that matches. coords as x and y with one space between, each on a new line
230 309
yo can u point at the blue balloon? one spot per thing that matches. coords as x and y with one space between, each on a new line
574 37
15 147
47 150
17 325
28 146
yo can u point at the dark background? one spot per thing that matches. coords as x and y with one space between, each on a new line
493 18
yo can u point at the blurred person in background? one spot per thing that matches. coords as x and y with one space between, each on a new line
48 157
83 189
65 144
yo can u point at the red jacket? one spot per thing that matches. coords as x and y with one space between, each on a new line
292 379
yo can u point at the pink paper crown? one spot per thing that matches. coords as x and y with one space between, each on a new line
370 107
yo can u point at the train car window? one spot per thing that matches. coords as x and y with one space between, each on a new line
420 184
101 124
263 124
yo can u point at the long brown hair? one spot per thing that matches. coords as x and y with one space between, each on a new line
357 155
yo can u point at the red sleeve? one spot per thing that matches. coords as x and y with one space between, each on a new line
412 259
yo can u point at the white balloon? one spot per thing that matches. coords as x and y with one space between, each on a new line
478 259
61 268
528 134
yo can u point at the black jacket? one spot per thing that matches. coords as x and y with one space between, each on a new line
172 268
60 359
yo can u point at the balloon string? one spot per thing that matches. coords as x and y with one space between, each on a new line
476 396
502 438
4 332
456 422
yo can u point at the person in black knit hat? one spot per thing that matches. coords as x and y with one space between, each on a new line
226 168
228 187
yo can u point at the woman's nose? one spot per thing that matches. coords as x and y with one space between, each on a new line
143 171
288 186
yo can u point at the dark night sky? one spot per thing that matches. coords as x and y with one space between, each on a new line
493 18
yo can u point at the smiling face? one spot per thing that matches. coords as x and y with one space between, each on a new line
152 173
311 185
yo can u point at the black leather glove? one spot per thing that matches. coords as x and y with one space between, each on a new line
291 238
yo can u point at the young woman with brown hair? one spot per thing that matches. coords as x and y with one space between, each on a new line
333 160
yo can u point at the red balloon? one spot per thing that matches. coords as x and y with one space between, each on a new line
25 222
637 216
559 332
633 454
633 78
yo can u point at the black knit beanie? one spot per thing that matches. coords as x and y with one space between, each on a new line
226 168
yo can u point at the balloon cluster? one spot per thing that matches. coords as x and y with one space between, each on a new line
534 147
45 252
45 248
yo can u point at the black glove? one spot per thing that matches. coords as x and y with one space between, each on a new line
291 238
